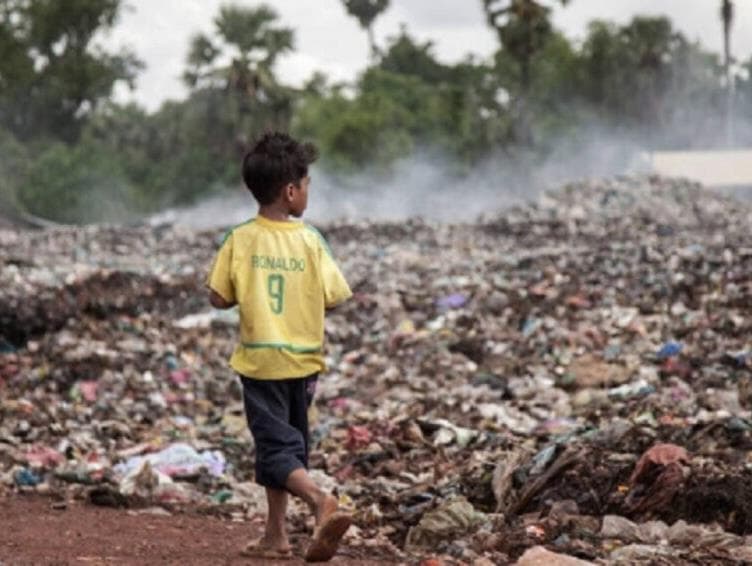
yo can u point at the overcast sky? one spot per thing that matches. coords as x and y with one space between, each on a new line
328 40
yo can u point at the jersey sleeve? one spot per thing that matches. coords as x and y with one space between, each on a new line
336 289
220 274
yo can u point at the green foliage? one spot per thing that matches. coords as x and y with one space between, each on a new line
68 153
645 75
523 27
234 97
366 12
743 103
406 57
554 101
727 19
14 166
370 129
141 146
251 39
252 30
605 60
77 184
168 157
52 73
409 102
201 56
127 161
744 85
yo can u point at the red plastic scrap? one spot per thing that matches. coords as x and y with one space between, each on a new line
657 478
88 390
181 376
578 302
43 457
674 366
358 437
660 455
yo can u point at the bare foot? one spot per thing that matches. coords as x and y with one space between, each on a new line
327 537
325 508
266 548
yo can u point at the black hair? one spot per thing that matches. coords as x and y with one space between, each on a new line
274 161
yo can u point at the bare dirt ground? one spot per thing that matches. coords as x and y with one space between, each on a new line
32 531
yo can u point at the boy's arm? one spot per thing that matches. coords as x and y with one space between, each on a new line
336 289
218 301
340 306
219 281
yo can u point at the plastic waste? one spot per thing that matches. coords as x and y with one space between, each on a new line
449 521
26 478
589 320
669 349
540 556
177 460
453 301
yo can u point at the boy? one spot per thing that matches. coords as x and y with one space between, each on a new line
282 276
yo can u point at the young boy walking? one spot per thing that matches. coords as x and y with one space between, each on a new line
281 274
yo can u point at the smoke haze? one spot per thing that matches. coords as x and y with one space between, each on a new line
430 187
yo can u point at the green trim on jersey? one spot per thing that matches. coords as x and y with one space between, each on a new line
322 239
295 349
231 230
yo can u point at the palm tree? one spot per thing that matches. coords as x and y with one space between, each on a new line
234 90
366 12
727 17
249 38
522 26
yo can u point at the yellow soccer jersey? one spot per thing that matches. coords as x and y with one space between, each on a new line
283 276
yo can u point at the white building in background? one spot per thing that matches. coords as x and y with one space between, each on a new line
721 169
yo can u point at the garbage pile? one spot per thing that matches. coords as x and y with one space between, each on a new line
567 381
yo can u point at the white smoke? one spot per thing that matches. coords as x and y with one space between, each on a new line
429 186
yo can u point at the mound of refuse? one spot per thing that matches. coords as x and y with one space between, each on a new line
568 377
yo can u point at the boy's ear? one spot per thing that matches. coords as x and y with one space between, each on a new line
289 191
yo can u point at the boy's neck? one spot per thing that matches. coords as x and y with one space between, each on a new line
274 212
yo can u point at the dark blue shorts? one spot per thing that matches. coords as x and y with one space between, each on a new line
277 414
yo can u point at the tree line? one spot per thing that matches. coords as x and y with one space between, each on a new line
69 152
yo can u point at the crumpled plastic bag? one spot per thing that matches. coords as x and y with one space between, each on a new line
177 460
445 523
658 476
539 556
659 455
679 534
147 483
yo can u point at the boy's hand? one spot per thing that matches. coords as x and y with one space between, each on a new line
218 302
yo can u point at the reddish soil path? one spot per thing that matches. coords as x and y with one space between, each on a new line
33 533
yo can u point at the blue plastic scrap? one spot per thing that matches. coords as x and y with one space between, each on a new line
670 349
